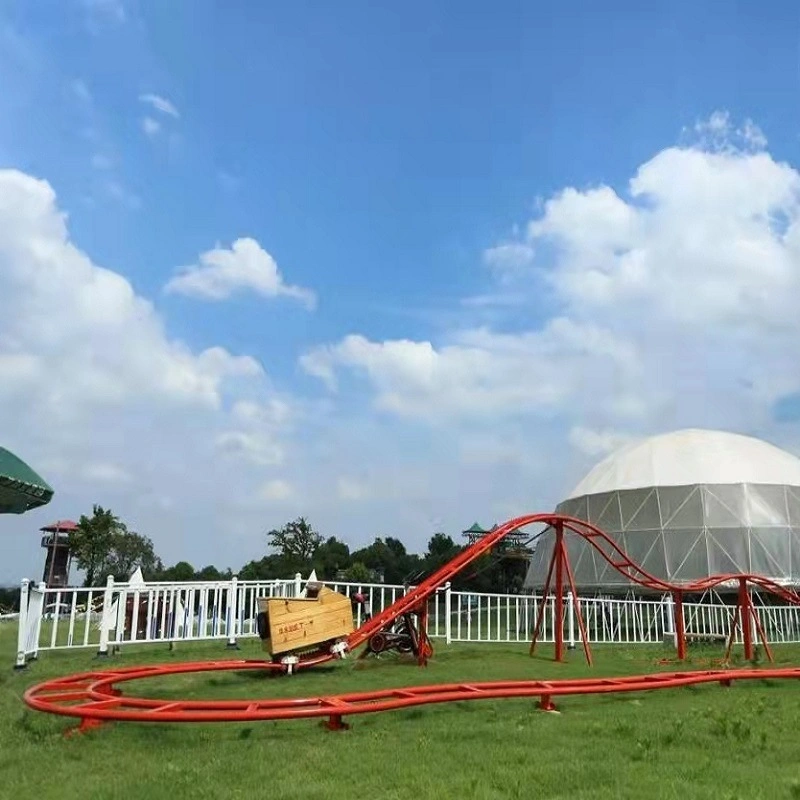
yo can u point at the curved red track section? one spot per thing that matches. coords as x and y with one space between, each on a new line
94 697
602 543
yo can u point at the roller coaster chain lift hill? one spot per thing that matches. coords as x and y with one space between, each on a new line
94 697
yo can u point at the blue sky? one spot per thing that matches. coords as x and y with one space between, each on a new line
380 156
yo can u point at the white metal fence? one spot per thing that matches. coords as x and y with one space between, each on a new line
124 613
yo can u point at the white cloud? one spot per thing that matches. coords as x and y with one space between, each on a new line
351 489
150 127
276 490
160 104
259 448
245 266
718 133
671 303
597 443
510 257
479 373
105 473
114 410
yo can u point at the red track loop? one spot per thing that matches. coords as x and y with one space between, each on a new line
95 697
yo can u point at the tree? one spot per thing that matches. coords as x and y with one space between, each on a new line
211 573
182 571
396 546
130 550
330 557
296 543
358 573
441 546
267 568
92 541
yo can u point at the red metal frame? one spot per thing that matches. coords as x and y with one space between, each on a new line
94 697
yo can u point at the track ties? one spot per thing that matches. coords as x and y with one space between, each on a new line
177 706
98 705
334 701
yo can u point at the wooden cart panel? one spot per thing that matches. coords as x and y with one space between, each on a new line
299 622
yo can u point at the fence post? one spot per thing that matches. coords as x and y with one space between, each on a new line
298 578
22 631
571 620
40 606
669 620
105 620
233 605
447 606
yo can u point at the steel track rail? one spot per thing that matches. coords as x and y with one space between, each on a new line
95 697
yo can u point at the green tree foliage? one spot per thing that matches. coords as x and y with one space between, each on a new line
9 599
330 557
182 571
441 548
130 550
389 559
296 543
93 540
211 573
358 572
269 568
102 545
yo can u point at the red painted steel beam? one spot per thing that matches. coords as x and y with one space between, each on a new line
103 701
603 544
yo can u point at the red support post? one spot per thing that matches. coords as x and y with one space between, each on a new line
424 645
763 637
559 599
577 607
543 607
546 703
734 628
680 627
335 723
746 613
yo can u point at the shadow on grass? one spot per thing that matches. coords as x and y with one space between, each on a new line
274 674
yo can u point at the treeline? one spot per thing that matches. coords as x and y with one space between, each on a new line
102 545
297 547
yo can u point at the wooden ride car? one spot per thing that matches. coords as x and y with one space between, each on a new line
290 624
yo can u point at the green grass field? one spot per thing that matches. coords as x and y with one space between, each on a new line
701 742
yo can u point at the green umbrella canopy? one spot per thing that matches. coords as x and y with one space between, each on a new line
21 489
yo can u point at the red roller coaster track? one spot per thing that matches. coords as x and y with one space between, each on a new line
94 697
99 700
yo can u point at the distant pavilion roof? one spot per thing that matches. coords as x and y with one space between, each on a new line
475 528
60 526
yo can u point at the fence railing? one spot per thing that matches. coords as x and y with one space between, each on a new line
123 613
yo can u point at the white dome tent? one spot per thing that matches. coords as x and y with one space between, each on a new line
685 505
